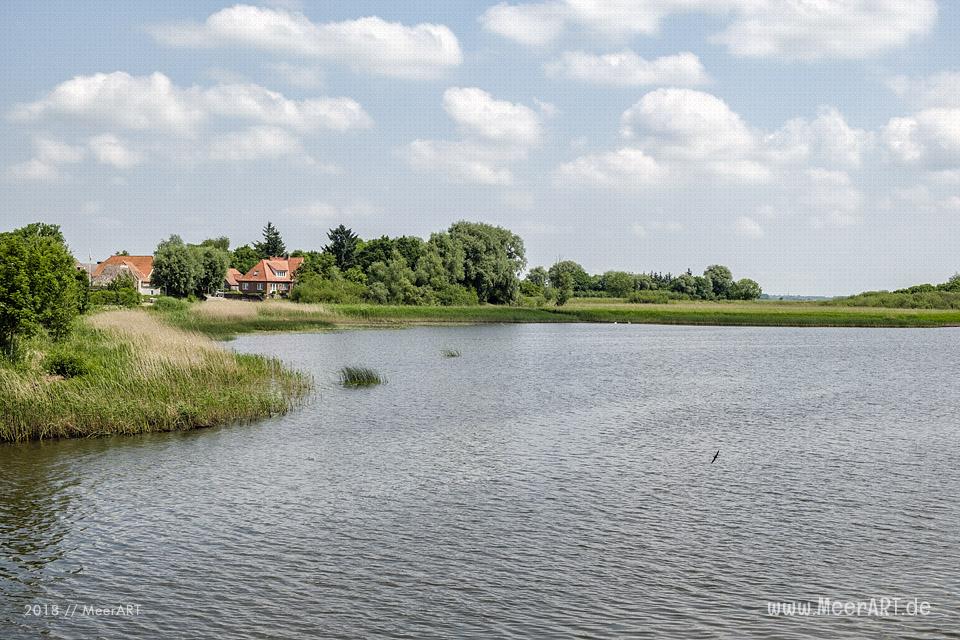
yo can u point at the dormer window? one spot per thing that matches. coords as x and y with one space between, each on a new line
281 273
256 273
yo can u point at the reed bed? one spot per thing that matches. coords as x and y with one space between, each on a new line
360 377
450 353
140 375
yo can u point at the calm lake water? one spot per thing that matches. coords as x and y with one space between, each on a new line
553 482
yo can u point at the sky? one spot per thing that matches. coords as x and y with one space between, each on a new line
812 145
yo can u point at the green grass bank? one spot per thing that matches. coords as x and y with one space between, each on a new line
126 372
225 318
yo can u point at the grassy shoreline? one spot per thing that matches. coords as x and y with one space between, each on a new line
137 374
224 319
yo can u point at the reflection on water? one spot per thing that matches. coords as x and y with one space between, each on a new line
554 481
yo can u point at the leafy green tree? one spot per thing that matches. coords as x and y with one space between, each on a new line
211 269
703 287
451 254
561 280
644 282
376 250
493 260
175 270
430 271
721 278
392 282
244 258
745 289
39 288
123 281
953 284
537 277
684 284
222 243
618 284
318 263
272 245
313 288
343 247
410 247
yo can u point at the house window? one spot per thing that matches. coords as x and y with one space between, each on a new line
281 273
259 286
245 286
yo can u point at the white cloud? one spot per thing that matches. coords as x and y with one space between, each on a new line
624 168
938 90
297 76
627 69
45 165
109 149
827 139
747 227
818 29
477 112
367 44
932 135
462 161
832 196
253 102
529 24
691 122
255 143
131 102
790 29
154 103
496 133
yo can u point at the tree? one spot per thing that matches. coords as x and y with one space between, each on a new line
561 279
721 279
391 282
174 268
493 260
343 247
39 286
684 284
222 243
619 284
745 289
272 245
703 287
244 258
322 265
371 251
211 269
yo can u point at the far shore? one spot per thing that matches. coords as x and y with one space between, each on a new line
224 319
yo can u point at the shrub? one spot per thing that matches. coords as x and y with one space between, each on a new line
455 295
68 365
166 303
118 297
312 289
651 297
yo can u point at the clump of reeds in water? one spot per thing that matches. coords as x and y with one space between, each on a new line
450 353
360 377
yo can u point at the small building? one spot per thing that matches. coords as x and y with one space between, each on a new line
231 282
271 277
140 268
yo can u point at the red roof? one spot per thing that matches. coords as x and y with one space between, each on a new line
232 276
268 270
141 265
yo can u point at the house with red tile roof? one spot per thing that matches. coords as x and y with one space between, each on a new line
270 277
231 281
140 268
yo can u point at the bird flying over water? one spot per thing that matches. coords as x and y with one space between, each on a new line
715 456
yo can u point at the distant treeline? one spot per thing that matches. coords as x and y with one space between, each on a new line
921 296
469 263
